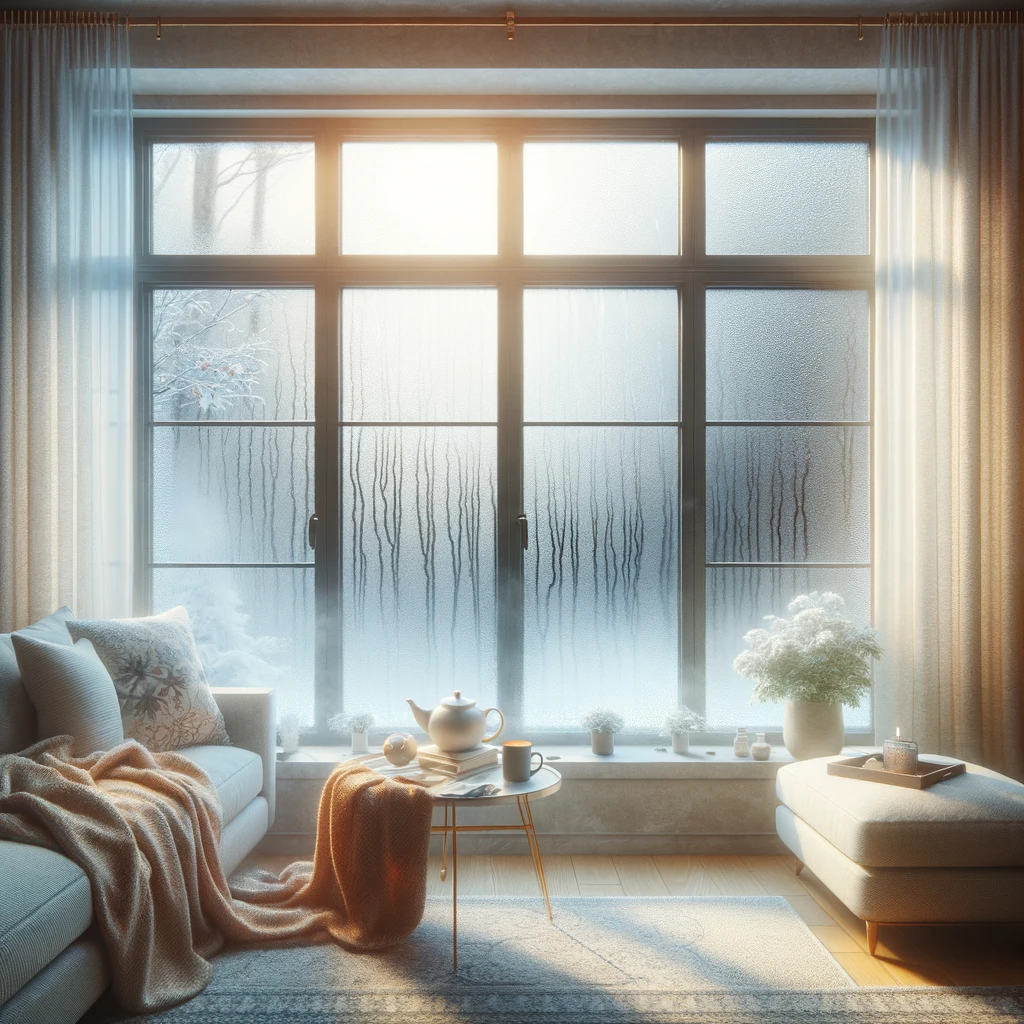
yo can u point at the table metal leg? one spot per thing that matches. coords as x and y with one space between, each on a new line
455 891
531 838
444 846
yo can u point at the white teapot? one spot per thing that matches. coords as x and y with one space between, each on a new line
456 724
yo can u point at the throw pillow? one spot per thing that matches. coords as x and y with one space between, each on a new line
166 703
71 692
17 716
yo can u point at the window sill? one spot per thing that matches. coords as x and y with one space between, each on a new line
577 762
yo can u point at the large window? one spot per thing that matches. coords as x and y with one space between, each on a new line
550 413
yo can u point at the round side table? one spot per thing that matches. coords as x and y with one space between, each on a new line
546 782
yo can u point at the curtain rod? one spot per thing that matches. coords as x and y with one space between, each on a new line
510 21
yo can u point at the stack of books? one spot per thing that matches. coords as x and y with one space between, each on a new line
456 766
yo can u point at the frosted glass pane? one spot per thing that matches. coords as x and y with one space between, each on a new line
601 573
253 627
420 354
232 494
601 198
788 494
601 354
233 354
786 198
780 354
737 601
418 563
419 198
234 198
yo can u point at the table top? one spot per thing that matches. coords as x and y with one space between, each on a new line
545 783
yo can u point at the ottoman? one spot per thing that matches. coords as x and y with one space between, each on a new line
950 854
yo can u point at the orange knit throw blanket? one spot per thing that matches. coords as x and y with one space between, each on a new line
145 828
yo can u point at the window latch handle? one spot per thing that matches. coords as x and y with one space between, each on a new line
314 522
524 531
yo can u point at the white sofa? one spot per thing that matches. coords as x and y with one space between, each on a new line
52 965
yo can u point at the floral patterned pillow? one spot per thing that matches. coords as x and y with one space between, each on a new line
166 703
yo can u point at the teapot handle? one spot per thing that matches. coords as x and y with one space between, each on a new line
494 735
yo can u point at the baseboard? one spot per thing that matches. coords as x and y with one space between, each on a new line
608 843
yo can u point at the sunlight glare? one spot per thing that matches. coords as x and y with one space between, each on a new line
419 198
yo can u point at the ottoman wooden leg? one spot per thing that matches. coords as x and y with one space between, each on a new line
872 936
798 865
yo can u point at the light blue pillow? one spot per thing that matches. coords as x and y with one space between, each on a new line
72 693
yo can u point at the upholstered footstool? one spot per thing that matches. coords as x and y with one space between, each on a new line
950 854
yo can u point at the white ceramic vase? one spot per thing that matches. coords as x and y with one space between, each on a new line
359 745
810 729
602 742
680 743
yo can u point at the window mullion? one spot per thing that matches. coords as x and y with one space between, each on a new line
509 580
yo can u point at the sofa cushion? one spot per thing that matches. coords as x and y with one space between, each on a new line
45 904
236 774
972 820
166 703
72 693
17 716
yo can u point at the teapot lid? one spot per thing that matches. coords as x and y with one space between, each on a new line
456 700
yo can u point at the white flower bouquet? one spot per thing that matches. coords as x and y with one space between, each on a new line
356 721
818 655
683 720
603 720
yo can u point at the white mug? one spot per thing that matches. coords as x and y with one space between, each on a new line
517 760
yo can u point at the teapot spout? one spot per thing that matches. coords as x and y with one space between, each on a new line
422 717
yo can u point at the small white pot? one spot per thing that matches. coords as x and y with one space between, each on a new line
810 729
359 745
680 743
602 742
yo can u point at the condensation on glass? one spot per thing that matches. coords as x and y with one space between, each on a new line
419 198
787 354
253 627
231 494
419 503
233 354
799 492
601 198
600 354
787 198
601 574
236 493
233 198
788 494
737 600
420 354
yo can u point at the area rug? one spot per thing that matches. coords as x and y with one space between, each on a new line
720 960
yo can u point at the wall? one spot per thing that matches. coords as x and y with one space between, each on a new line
639 801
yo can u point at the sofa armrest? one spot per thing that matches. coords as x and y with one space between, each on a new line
252 725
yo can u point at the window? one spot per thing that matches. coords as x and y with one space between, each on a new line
550 413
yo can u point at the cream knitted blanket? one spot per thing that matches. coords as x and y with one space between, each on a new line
145 828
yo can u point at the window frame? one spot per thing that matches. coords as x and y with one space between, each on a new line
328 272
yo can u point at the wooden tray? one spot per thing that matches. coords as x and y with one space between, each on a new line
928 772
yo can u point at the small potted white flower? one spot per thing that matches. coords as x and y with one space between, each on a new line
603 724
679 725
358 723
816 662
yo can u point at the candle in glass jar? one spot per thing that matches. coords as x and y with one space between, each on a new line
900 755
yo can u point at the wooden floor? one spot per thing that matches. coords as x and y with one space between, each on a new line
905 956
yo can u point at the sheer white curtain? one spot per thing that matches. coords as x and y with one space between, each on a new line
949 389
65 316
